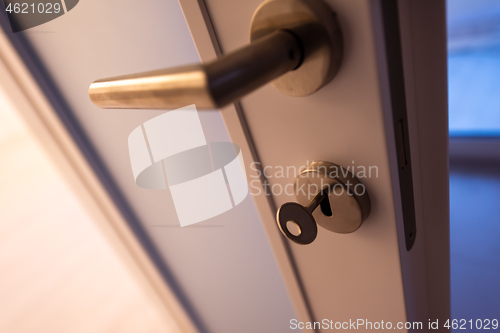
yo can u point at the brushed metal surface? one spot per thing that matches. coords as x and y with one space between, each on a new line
316 26
347 196
296 44
208 86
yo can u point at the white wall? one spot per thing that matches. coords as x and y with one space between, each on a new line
224 266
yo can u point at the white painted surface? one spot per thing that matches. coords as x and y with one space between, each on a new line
345 276
174 132
224 266
58 271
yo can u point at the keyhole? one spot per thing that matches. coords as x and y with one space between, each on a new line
326 208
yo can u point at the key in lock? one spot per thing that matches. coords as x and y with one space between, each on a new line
328 195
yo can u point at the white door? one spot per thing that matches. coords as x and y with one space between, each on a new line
385 111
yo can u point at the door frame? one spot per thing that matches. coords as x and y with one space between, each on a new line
205 38
421 47
425 273
64 146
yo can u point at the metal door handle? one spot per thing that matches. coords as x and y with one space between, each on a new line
296 44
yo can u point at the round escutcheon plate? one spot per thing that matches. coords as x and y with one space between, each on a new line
348 198
316 27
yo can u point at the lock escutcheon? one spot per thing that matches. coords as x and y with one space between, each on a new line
327 195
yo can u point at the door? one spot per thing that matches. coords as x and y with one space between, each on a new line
384 112
381 96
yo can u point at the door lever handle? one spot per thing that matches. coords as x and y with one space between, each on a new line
295 44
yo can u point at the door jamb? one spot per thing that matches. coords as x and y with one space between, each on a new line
204 35
44 123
